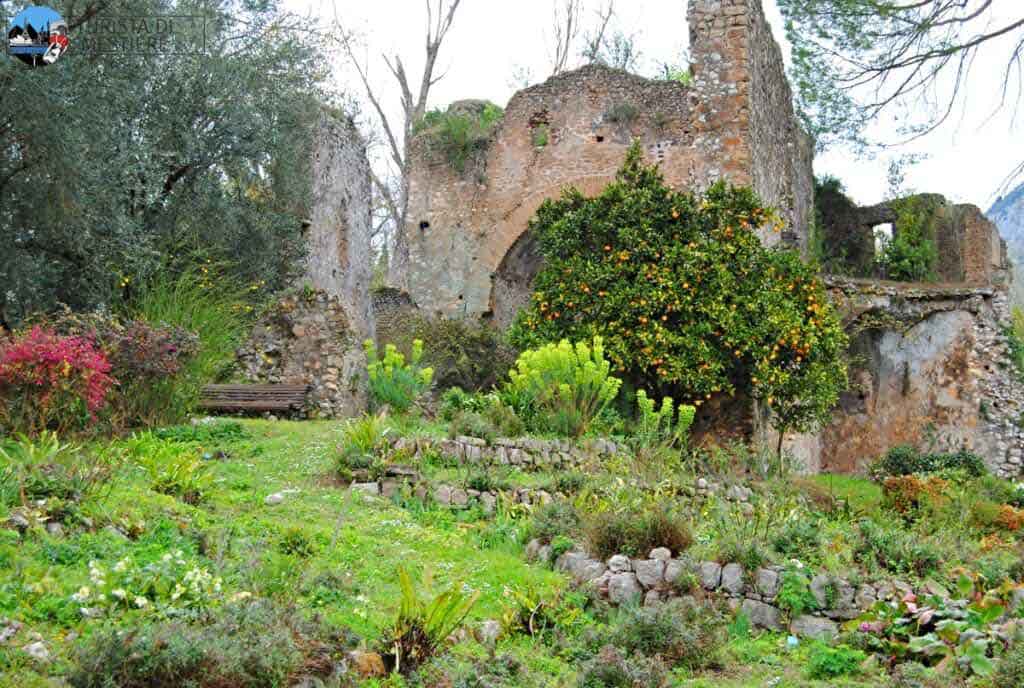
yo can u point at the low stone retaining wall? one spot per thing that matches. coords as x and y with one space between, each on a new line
522 452
622 580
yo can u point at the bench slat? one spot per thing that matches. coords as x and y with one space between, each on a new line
258 397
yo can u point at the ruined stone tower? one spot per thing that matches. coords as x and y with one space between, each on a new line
314 335
470 253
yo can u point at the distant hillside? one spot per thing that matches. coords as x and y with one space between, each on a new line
1008 214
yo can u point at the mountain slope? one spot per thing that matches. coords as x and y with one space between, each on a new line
1008 214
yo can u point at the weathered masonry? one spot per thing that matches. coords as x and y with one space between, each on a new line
470 254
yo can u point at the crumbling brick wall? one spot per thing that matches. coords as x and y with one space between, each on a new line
465 230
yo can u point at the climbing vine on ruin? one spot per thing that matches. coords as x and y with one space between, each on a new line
688 300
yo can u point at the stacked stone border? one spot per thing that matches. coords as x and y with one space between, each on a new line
622 580
522 452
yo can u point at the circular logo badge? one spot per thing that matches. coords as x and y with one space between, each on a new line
37 36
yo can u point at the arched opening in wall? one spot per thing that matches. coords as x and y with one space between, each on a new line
883 234
512 282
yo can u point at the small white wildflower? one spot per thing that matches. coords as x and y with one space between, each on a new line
121 566
166 557
239 596
119 593
82 595
141 602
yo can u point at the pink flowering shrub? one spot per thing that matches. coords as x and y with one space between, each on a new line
49 381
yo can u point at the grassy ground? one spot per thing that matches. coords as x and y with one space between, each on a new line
327 551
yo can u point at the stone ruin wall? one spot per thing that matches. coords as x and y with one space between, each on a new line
465 231
314 335
931 369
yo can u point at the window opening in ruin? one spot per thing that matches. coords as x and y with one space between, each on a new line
424 225
883 235
599 139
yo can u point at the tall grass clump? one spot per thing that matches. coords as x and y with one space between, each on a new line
201 303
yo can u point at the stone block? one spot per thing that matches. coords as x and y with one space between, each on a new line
710 574
809 626
732 579
763 615
650 572
624 588
766 582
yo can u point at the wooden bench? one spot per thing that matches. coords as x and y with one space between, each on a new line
253 397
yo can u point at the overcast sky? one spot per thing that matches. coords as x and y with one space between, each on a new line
491 40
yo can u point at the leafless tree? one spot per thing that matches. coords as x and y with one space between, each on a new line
566 27
596 39
396 135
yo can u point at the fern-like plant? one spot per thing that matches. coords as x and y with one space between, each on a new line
562 387
422 627
393 381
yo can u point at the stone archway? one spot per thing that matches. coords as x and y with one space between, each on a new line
513 279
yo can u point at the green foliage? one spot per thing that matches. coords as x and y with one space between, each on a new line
621 113
172 469
1015 340
896 551
553 520
798 539
479 415
421 628
906 460
682 633
678 73
635 534
201 301
912 253
687 299
794 596
44 468
1009 672
541 135
361 441
826 662
460 134
210 175
561 388
251 645
666 424
611 668
204 433
392 381
463 353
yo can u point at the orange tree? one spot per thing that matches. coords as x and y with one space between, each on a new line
687 299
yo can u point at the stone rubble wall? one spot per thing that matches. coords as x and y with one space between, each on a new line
933 369
307 339
522 452
622 580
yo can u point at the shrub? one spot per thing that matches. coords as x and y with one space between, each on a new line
51 382
912 253
422 627
666 425
557 518
147 359
207 432
173 470
906 493
682 633
895 550
361 441
611 668
635 534
562 387
246 646
392 381
906 460
455 400
798 539
460 134
794 595
824 662
468 354
203 302
472 424
44 468
687 298
1009 672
